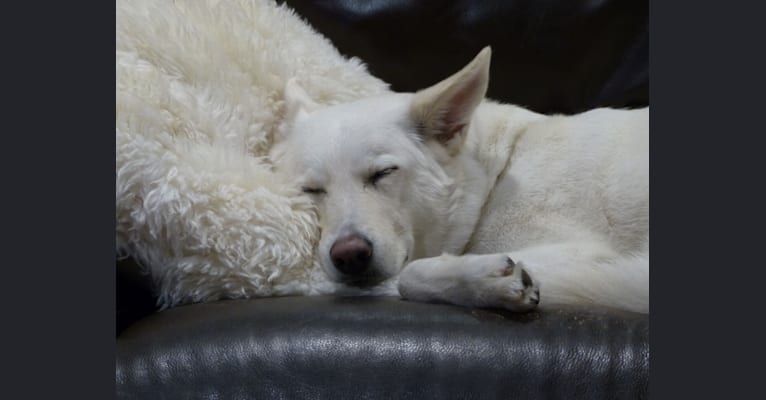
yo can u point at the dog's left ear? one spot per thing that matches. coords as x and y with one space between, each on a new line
443 111
297 101
297 105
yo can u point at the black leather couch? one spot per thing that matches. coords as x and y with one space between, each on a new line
560 56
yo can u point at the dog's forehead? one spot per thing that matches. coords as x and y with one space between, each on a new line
362 128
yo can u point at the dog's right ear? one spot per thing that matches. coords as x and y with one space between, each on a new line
297 101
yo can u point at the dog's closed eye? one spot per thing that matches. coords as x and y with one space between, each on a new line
378 175
313 191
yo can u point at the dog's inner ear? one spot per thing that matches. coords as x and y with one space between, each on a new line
443 111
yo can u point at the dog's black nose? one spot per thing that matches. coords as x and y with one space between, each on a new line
351 254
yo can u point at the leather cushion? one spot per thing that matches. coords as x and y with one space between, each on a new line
335 348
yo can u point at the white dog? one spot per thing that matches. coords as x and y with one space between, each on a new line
476 203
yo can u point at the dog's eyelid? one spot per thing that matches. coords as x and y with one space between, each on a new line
311 190
378 175
381 173
387 170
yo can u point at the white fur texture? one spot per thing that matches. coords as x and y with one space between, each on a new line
199 100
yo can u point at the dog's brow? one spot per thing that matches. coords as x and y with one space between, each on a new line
384 160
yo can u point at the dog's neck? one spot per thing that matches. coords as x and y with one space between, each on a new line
488 151
494 131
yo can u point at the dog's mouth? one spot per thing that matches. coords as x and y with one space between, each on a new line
363 282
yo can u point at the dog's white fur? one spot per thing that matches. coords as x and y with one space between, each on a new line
200 99
565 197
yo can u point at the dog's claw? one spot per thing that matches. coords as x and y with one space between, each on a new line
526 279
510 265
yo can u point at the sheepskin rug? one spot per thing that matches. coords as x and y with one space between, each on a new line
199 101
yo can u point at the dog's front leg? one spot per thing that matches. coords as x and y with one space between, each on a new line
491 280
589 272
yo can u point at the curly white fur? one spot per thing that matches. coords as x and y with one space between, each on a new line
199 98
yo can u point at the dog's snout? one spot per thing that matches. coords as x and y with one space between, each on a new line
351 254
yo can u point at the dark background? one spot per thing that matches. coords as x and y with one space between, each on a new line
547 55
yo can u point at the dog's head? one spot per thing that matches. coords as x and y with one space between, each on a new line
378 169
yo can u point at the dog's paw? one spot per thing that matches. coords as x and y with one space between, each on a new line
486 280
503 283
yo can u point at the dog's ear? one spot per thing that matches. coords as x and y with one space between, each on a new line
297 101
443 111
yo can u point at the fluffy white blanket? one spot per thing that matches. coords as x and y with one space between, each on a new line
199 99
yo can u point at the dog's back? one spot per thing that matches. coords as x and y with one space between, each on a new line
578 185
585 172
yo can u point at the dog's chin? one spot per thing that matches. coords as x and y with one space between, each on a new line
364 281
361 282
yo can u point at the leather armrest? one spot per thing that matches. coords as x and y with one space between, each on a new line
335 348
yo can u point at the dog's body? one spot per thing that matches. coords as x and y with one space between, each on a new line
472 202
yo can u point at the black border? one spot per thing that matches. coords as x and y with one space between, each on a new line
59 187
706 73
59 327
